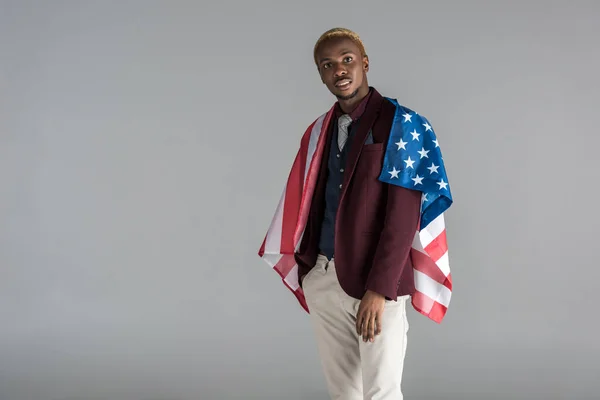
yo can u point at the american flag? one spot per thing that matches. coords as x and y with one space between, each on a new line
412 160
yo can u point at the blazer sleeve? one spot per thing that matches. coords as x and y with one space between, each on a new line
393 250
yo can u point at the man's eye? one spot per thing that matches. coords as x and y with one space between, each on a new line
325 66
348 59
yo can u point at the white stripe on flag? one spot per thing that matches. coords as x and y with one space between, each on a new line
271 259
433 230
300 240
432 289
273 242
417 243
444 264
312 144
292 278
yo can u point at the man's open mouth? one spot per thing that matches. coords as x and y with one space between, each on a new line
343 83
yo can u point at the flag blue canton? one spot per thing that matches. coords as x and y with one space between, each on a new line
413 160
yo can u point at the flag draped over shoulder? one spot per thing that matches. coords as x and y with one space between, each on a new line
288 223
412 160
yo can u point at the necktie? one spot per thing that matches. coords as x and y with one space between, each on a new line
343 123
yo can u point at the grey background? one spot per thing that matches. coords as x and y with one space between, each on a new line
144 146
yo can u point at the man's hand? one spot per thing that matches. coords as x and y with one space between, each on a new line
368 318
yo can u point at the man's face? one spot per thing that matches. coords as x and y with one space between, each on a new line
342 68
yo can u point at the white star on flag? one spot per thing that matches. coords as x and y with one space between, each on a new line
436 143
427 126
423 152
424 198
407 117
418 180
401 144
415 135
442 184
433 168
409 162
394 173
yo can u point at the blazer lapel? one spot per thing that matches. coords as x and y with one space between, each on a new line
366 123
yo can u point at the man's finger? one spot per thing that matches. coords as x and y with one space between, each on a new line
359 321
379 324
368 327
365 326
372 327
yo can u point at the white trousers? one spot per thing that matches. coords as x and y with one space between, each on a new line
354 369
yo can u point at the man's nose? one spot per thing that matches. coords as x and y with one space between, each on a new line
340 70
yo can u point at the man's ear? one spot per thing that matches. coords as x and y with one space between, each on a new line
366 63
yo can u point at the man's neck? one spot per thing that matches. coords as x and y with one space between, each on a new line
349 105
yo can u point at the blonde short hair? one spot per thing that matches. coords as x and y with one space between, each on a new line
336 33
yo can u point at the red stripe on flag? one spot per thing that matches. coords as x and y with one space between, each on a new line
438 246
428 307
422 263
293 196
261 251
313 172
285 265
291 205
300 296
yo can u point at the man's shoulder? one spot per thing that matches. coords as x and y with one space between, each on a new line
392 103
393 112
315 127
407 112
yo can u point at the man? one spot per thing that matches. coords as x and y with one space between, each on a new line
343 238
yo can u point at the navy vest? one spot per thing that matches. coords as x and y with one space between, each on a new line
336 165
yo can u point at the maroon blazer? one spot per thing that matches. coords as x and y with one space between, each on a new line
376 222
